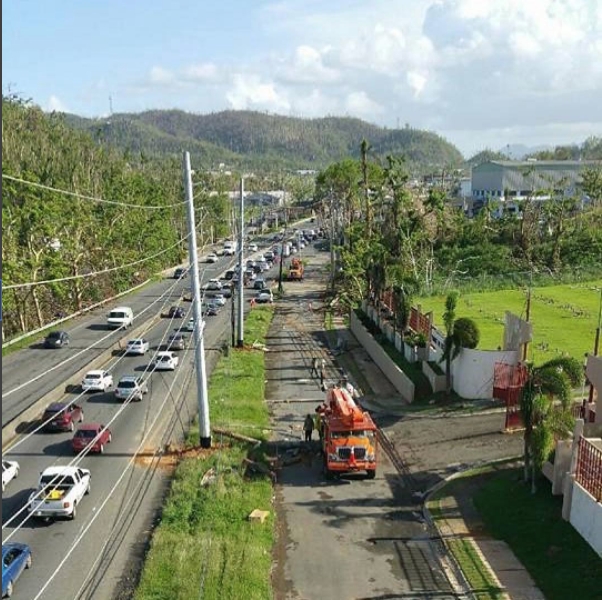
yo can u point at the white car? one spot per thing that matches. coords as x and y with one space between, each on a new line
253 248
190 325
165 360
97 381
212 257
219 299
10 471
138 346
214 284
264 297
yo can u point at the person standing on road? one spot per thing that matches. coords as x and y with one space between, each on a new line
322 378
314 366
308 427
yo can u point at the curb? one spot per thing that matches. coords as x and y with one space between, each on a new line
33 412
428 517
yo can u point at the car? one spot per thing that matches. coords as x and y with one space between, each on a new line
253 247
219 299
97 381
16 558
56 339
264 297
10 471
131 387
176 312
61 416
212 310
212 257
93 436
269 255
189 325
214 284
259 284
176 341
250 275
226 291
121 317
229 274
138 346
165 361
180 272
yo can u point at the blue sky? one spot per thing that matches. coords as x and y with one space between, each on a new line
482 73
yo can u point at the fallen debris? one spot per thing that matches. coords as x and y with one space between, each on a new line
209 477
237 436
257 467
259 516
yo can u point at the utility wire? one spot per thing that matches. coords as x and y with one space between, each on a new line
69 359
94 273
26 437
85 197
74 462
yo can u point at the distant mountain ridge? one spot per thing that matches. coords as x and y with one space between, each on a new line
256 140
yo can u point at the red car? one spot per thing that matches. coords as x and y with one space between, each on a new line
59 416
85 434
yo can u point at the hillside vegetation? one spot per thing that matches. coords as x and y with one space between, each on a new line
263 141
49 235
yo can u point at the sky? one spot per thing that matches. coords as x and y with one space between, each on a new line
481 73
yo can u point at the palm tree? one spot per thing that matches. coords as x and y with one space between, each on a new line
546 383
449 351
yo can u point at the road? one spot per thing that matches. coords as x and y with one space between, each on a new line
354 538
115 520
89 339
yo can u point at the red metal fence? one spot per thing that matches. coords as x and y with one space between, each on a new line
508 383
589 468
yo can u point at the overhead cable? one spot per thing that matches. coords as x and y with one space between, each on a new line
85 197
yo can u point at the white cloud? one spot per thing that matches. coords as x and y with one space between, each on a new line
161 76
482 67
205 72
55 104
250 92
360 104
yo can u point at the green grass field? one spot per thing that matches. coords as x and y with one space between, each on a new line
564 317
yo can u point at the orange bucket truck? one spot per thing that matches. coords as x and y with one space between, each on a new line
349 436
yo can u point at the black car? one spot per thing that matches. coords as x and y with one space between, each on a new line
56 339
176 312
180 272
212 310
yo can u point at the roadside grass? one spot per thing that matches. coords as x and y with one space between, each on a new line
205 546
564 317
561 563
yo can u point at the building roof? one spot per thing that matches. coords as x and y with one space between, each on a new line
542 163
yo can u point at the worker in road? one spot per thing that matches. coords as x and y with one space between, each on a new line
308 427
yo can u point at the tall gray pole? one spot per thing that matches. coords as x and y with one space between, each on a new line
199 325
241 271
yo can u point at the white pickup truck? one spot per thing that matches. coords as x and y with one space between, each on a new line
60 490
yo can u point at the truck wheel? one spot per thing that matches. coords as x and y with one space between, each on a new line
371 473
327 472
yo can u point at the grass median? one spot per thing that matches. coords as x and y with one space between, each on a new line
205 546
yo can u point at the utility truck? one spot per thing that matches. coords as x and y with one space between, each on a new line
295 271
59 492
349 440
230 247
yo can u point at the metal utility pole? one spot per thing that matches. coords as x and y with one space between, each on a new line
198 333
241 272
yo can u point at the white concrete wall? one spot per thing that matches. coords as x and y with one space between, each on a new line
472 371
402 383
437 381
586 517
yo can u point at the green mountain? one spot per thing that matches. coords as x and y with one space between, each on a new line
264 141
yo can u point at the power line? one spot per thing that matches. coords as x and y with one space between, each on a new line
85 197
15 286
